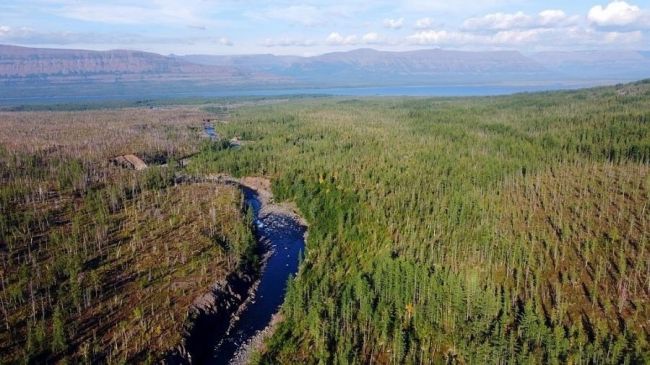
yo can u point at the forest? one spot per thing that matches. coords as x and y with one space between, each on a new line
510 229
504 229
100 264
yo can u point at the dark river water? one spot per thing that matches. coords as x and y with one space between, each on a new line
284 238
210 132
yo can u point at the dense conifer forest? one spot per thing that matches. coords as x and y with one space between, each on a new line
486 230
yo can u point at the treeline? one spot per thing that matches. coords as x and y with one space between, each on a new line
497 229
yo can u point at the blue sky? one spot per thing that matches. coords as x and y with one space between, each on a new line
316 26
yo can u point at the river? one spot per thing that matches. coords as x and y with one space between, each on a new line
283 238
209 131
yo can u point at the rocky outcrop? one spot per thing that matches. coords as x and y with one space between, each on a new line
129 162
210 317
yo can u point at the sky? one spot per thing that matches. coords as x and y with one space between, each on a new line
316 26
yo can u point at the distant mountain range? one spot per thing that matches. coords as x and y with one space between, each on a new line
21 63
372 67
46 68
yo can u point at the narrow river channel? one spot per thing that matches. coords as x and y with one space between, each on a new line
210 132
283 238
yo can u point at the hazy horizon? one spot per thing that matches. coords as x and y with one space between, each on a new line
378 49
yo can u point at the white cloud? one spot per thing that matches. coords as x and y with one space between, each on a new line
336 39
498 21
506 21
195 14
442 37
371 38
225 42
623 37
358 23
447 38
617 13
305 15
394 23
94 40
8 33
551 17
164 12
446 6
424 23
517 37
569 38
308 14
288 42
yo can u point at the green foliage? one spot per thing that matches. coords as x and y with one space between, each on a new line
58 330
438 229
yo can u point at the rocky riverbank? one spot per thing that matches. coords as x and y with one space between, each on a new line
216 314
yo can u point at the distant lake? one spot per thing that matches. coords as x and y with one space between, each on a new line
132 93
